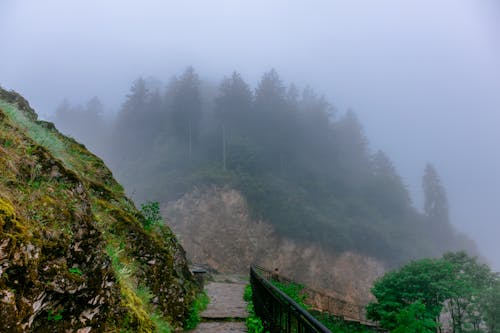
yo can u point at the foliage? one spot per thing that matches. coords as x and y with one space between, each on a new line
151 212
489 305
471 280
412 298
295 291
338 325
247 294
301 167
75 270
54 193
253 322
199 304
53 315
414 319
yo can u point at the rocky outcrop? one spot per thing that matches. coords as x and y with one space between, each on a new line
74 254
215 228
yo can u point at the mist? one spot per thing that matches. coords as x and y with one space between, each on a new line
423 77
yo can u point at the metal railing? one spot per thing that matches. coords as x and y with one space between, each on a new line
279 313
319 301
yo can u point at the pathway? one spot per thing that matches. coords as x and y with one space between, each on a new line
227 311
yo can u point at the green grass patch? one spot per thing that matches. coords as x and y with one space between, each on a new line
76 271
253 322
335 324
199 304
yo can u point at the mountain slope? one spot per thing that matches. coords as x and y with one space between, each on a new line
74 255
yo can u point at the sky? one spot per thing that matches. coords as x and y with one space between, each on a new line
422 75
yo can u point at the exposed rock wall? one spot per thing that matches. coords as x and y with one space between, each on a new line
74 255
215 228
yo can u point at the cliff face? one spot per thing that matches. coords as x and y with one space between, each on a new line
74 255
215 228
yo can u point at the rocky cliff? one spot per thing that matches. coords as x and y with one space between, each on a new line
215 228
74 255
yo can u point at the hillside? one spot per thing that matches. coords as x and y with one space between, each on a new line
215 228
74 253
301 165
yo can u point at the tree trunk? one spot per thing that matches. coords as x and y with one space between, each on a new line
223 148
190 140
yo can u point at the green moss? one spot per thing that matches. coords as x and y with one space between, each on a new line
55 190
7 212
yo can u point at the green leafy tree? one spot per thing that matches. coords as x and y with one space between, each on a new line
489 301
470 279
414 319
427 282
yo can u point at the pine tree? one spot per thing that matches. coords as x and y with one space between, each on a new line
186 108
436 201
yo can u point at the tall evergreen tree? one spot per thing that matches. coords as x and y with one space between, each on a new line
186 108
129 128
435 199
274 121
232 108
353 155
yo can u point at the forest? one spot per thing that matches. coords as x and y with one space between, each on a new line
302 165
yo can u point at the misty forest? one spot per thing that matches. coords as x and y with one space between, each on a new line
302 165
249 166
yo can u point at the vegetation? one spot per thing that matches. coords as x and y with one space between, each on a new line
412 298
68 230
253 322
198 306
295 291
151 212
301 165
333 323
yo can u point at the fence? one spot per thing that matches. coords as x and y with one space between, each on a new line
321 302
279 313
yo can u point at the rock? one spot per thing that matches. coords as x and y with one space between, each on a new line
73 249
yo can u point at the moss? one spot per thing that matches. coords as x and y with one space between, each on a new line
61 212
7 212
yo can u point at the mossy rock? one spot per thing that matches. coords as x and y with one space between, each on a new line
61 211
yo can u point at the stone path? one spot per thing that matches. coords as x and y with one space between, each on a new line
227 311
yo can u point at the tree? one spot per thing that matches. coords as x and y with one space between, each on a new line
435 202
489 301
186 108
274 120
457 282
385 187
470 280
232 108
129 130
234 101
414 319
353 156
427 281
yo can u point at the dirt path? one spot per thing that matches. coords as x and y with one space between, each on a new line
227 311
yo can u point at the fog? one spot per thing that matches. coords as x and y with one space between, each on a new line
423 76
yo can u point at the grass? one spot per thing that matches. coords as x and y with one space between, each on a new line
333 323
199 304
37 132
55 203
75 270
253 322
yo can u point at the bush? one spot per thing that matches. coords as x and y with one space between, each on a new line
151 212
